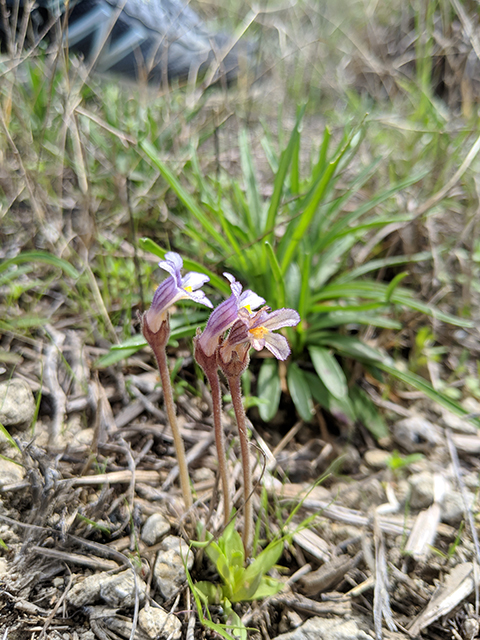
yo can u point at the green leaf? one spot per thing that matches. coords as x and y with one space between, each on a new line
210 593
269 389
329 371
253 210
367 413
277 274
422 385
394 284
45 258
341 409
254 573
9 437
281 174
300 392
352 347
183 195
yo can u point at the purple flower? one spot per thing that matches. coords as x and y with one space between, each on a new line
223 317
173 289
261 326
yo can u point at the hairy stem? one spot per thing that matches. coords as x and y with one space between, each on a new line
220 440
236 392
161 356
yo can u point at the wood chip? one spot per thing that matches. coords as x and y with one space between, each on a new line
458 585
330 574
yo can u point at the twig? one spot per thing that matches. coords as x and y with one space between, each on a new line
468 513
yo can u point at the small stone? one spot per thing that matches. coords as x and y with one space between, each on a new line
326 629
169 569
456 423
154 529
376 458
422 490
119 590
416 434
3 568
83 438
87 591
453 509
17 404
158 623
10 472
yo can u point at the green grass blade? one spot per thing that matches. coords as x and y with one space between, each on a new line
277 274
45 258
183 195
281 175
253 210
422 385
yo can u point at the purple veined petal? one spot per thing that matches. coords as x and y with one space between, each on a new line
194 280
175 288
250 300
200 298
220 320
278 345
173 265
172 256
235 286
278 319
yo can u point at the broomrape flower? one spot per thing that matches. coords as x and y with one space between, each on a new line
225 315
261 325
173 289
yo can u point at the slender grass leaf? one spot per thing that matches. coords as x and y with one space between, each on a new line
253 209
281 175
382 263
45 258
367 413
277 274
269 389
352 347
9 438
422 385
394 284
300 392
339 318
329 371
346 219
183 195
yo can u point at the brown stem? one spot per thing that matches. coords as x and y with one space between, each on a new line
220 439
236 393
161 356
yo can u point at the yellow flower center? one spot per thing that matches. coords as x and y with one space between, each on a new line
258 332
248 308
188 289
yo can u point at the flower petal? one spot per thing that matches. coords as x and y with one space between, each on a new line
249 299
279 318
278 345
194 280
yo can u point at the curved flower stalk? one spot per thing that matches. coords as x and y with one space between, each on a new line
206 345
156 330
251 330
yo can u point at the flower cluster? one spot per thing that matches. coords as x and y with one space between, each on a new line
234 327
237 314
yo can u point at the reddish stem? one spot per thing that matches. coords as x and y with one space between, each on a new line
236 393
161 357
220 439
